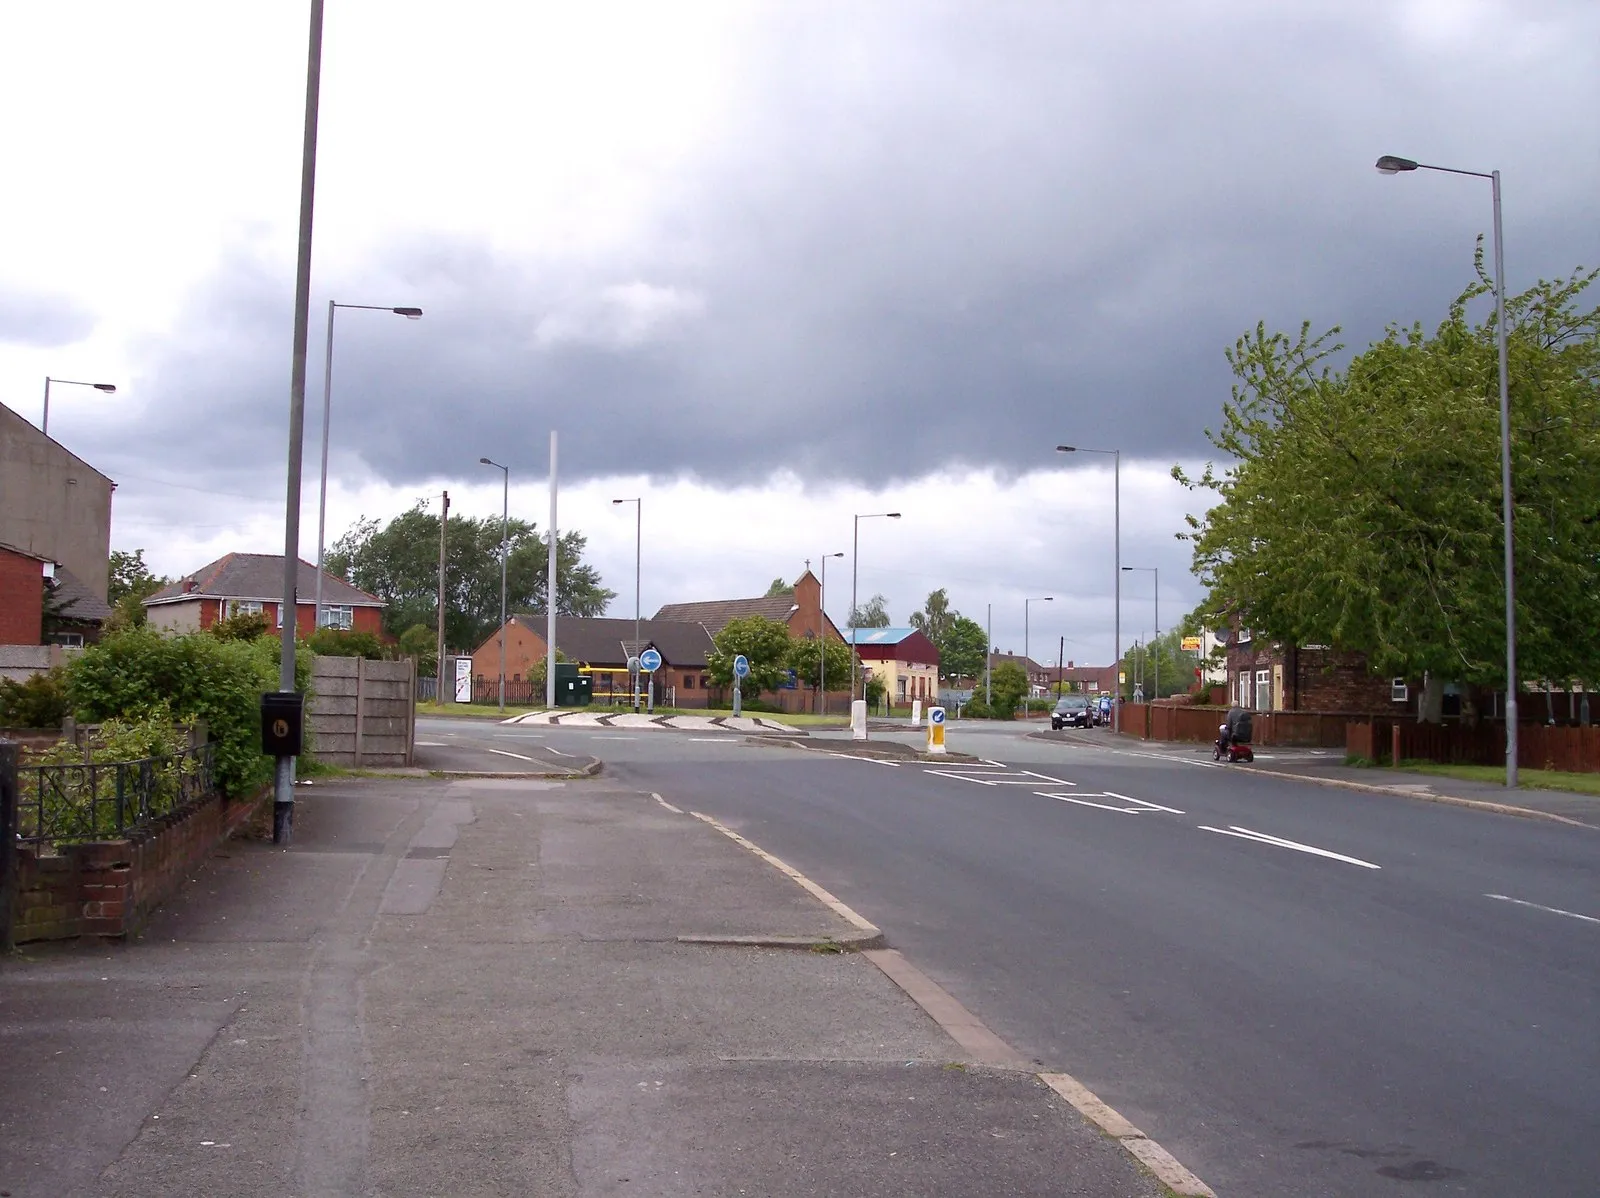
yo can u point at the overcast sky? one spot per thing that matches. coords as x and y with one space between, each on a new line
768 265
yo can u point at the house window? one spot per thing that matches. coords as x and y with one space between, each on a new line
244 607
1263 690
1397 690
71 640
688 682
339 616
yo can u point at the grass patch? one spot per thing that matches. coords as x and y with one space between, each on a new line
1588 784
476 711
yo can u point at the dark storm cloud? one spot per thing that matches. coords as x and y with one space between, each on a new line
30 317
939 235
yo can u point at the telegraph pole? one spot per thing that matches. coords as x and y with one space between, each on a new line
444 521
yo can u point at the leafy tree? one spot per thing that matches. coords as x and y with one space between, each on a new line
936 618
765 644
808 655
963 650
1009 683
874 690
777 587
874 613
399 562
1176 666
38 701
1362 508
421 643
130 576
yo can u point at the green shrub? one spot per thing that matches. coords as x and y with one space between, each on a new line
80 804
134 674
245 626
332 642
39 701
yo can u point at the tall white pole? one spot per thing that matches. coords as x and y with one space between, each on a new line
638 574
855 563
1505 490
1116 620
550 589
283 780
505 533
988 663
322 493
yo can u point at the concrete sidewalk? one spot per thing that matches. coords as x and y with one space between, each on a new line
479 988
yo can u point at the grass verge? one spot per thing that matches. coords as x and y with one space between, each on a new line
1588 784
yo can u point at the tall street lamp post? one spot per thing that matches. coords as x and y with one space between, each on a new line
1027 656
327 411
855 573
638 542
505 543
822 637
1116 620
108 388
1155 683
1390 165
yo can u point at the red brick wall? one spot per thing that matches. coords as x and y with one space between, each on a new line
21 599
109 888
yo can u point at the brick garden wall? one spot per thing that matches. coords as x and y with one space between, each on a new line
109 888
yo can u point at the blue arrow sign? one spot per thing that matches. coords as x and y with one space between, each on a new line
741 667
650 661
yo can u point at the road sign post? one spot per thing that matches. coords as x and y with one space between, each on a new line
936 730
650 662
741 671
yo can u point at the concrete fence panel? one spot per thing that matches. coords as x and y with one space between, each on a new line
362 712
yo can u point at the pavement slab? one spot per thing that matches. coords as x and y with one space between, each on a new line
477 987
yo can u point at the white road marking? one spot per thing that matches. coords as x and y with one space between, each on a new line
894 765
1505 898
1018 778
818 892
1143 803
558 752
712 740
1140 805
667 805
431 744
1263 838
607 737
518 756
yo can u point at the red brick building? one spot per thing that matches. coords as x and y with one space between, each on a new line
1271 677
21 597
252 584
602 646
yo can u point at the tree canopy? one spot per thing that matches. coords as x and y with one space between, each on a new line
874 613
1362 508
766 646
778 587
808 653
963 649
399 562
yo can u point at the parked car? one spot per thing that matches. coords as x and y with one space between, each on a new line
1072 710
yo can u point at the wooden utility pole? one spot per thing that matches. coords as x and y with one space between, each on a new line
444 523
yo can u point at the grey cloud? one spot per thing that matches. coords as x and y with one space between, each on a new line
932 235
29 317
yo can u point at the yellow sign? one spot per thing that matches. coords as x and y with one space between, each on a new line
1122 677
1192 643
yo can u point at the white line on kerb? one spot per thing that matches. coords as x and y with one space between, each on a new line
1263 838
667 805
818 892
1505 898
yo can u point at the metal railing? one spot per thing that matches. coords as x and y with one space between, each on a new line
106 800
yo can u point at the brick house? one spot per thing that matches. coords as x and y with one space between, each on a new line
55 505
1090 680
252 584
22 579
799 609
601 645
903 659
1270 677
1039 677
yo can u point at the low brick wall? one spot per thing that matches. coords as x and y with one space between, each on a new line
110 887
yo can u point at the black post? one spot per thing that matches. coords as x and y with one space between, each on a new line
9 754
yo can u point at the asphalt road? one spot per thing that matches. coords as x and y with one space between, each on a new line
1296 989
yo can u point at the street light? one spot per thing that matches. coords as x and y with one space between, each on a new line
505 542
822 637
1027 656
638 542
1116 621
108 388
1155 684
1390 165
855 564
327 410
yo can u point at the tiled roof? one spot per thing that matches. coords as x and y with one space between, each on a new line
74 601
715 614
604 641
260 576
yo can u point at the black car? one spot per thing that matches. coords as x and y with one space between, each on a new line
1072 711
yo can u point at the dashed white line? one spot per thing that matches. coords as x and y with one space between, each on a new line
1506 898
667 805
1279 842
